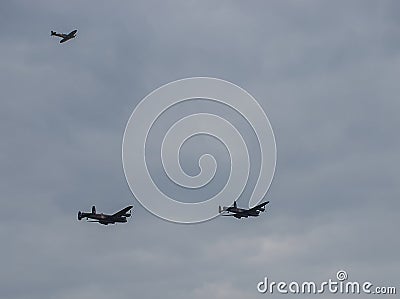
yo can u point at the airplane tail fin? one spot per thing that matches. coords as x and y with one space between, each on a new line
234 204
93 210
79 215
53 33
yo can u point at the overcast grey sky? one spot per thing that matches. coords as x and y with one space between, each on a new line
327 75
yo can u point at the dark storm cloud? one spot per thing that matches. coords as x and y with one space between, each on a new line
325 72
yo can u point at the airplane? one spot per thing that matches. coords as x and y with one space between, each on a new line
239 213
64 36
104 218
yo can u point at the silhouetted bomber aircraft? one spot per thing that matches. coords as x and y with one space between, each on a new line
64 36
104 218
239 213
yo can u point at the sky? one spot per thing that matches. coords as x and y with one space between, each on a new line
326 74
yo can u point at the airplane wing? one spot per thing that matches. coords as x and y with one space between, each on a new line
259 207
64 39
72 33
122 212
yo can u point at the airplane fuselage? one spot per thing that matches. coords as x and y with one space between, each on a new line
104 218
243 212
65 37
239 212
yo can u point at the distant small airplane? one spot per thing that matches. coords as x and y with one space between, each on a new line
104 218
64 36
239 213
